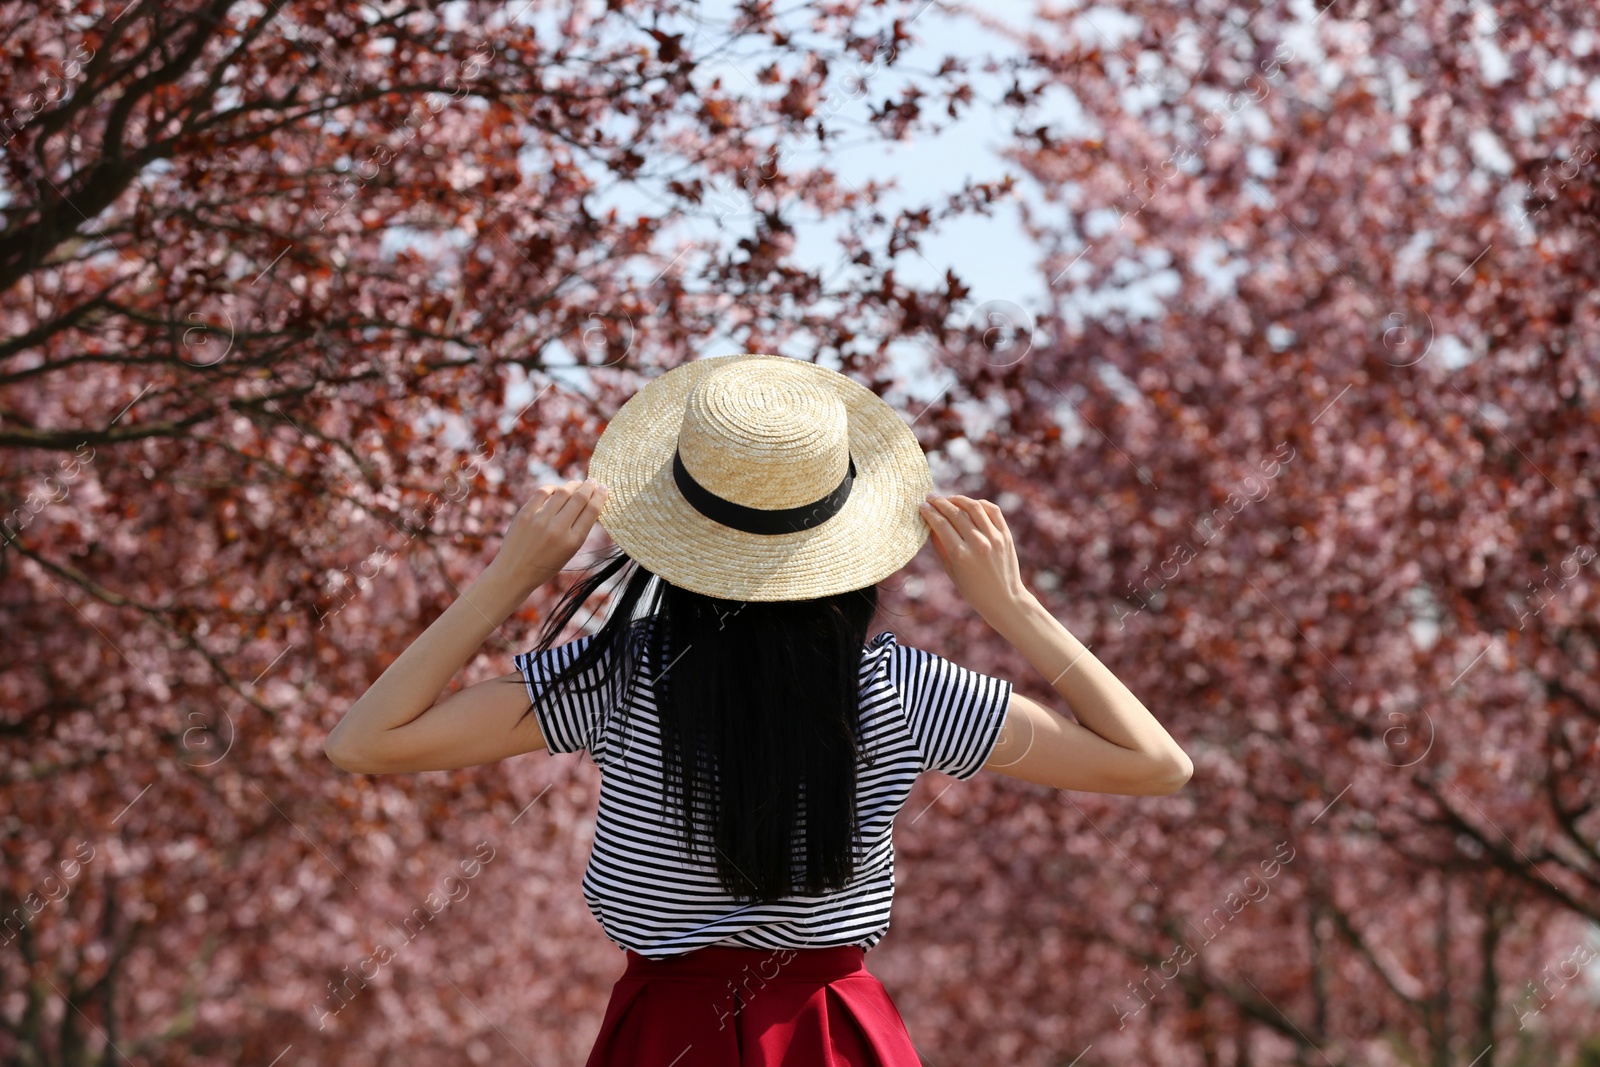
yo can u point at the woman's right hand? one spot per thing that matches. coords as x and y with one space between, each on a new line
974 546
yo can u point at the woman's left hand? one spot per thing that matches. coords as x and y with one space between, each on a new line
548 531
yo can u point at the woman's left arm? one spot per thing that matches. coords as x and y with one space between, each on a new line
399 724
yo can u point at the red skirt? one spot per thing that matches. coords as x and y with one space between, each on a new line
724 1005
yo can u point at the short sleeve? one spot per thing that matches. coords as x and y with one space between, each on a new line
955 714
570 720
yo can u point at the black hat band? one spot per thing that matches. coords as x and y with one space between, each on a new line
760 520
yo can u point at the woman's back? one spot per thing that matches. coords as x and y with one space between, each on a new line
918 712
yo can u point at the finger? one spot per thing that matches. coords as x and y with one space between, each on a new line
538 503
946 535
990 512
938 525
547 501
553 493
957 520
941 519
973 510
999 517
577 502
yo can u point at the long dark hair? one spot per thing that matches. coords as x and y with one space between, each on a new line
765 694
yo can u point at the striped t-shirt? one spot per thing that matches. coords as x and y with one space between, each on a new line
919 712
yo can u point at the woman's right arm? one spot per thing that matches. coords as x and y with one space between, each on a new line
1116 746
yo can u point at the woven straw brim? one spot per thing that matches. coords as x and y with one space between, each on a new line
875 533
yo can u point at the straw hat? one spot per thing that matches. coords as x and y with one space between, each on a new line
761 477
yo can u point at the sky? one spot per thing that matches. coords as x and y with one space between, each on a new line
1004 270
991 255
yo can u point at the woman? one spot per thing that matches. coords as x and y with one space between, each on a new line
754 745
